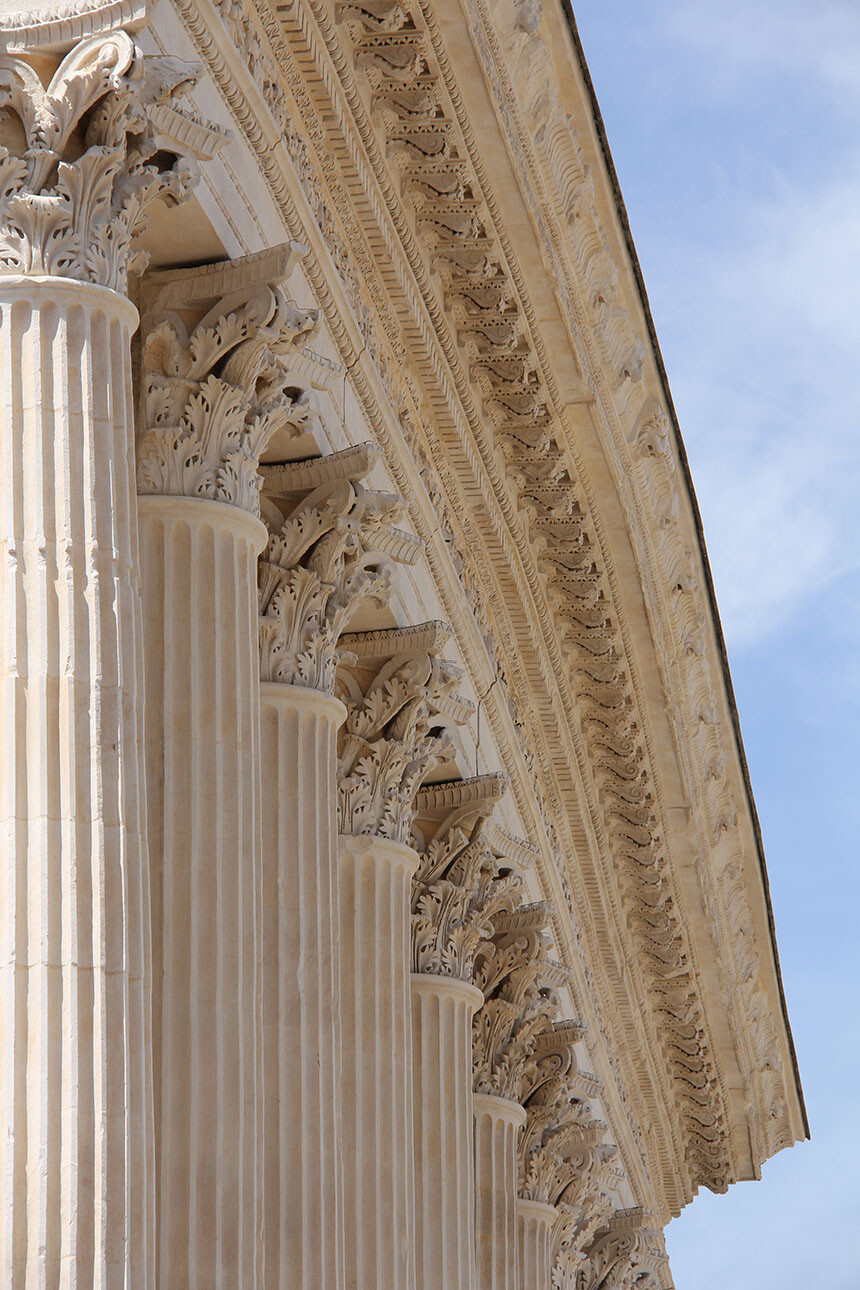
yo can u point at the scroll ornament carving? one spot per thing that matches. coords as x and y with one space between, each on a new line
559 1129
332 550
460 884
234 14
625 1255
399 713
58 24
379 15
81 159
214 397
517 979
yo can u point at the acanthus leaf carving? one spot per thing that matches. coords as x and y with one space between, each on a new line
332 547
564 1160
216 393
624 1255
401 705
460 884
74 212
517 978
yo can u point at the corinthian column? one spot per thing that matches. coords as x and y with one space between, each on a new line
457 890
516 979
331 550
399 699
213 397
558 1138
76 1127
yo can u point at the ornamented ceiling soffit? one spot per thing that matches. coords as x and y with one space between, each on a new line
468 252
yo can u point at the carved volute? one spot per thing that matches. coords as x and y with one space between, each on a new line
559 1126
461 884
332 549
516 978
624 1255
401 702
216 390
84 155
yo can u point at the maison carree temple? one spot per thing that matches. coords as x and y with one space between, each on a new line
383 904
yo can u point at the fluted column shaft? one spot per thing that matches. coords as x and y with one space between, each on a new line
497 1125
75 1108
442 1010
376 1087
304 1216
535 1223
199 563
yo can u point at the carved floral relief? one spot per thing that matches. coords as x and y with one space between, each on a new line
332 547
401 708
216 393
83 158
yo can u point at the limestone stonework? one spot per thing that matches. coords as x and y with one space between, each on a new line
382 901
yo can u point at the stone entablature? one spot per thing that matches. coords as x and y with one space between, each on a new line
413 33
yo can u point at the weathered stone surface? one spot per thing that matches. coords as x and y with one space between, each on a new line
439 749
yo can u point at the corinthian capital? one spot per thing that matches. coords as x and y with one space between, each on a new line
332 551
461 885
625 1255
401 703
517 979
82 157
216 392
559 1129
586 1204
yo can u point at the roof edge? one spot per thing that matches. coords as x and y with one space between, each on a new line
612 174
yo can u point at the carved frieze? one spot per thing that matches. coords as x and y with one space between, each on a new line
83 158
332 547
215 393
401 704
460 884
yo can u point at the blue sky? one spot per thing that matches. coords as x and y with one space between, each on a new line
735 128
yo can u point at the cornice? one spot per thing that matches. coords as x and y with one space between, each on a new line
710 595
324 159
659 933
454 562
651 476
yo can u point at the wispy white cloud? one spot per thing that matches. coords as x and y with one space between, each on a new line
761 358
740 37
